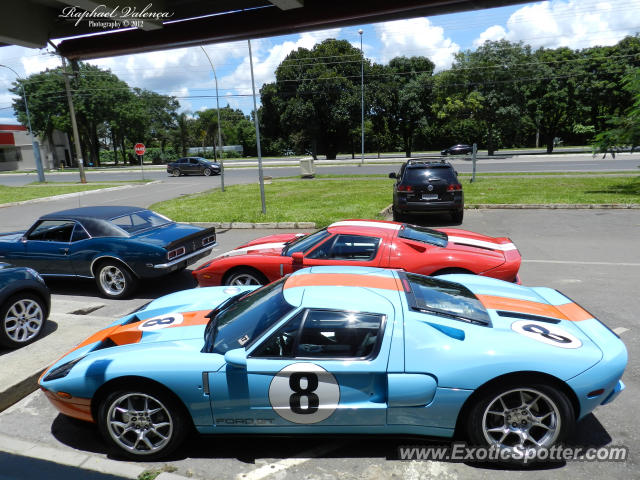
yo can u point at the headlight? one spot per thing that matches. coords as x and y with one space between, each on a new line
35 274
61 371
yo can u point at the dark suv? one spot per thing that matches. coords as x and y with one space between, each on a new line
193 166
426 186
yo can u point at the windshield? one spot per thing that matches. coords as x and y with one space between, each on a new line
424 235
304 244
245 320
138 221
437 296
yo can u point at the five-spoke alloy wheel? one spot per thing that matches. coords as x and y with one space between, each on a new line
114 280
244 276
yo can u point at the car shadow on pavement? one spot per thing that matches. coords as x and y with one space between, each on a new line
430 220
250 448
148 288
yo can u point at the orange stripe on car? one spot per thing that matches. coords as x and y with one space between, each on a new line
79 408
343 280
568 311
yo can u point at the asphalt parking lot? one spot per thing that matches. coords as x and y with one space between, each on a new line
590 255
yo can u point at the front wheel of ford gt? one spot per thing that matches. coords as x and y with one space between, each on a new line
244 276
142 425
521 418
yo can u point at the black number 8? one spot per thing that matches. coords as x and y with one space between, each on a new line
159 321
533 328
312 399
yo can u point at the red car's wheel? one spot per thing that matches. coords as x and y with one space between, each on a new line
244 276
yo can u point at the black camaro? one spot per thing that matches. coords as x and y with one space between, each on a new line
117 246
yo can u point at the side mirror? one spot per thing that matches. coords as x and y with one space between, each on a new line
393 175
297 261
23 239
236 358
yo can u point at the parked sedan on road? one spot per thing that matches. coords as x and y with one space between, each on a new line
193 166
458 149
115 245
344 350
24 305
367 243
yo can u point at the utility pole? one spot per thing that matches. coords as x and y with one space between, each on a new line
219 124
255 118
74 125
34 141
361 97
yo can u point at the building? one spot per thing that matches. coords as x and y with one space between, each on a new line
16 149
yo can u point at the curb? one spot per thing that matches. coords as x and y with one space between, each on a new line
555 206
71 195
78 459
248 226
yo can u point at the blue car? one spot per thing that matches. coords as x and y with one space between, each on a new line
115 245
335 350
24 305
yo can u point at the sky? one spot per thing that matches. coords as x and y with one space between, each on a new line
186 74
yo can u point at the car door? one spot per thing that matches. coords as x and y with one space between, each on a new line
47 247
347 249
321 368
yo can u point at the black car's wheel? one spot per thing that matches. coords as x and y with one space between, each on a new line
520 416
143 423
207 172
397 216
175 172
457 216
22 319
114 280
244 276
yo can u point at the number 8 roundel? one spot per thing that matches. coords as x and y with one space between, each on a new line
304 393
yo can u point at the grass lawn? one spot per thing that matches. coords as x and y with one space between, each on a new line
325 201
39 190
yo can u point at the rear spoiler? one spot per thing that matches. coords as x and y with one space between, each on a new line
202 233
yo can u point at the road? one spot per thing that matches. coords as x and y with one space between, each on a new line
590 255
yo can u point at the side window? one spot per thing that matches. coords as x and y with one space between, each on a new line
52 231
324 250
282 342
339 334
194 161
354 247
79 233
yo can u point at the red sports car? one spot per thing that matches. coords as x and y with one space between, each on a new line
367 243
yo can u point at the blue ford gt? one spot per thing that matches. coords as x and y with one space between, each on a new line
115 245
332 350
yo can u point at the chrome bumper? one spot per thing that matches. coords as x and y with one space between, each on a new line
203 251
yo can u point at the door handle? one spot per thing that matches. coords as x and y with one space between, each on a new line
64 250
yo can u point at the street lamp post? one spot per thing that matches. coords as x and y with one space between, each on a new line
257 123
361 97
34 142
215 77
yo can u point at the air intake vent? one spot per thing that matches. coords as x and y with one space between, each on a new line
526 316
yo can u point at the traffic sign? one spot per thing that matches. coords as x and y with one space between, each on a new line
139 148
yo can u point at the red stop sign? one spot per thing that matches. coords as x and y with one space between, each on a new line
139 148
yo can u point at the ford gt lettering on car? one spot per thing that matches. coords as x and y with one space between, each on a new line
336 350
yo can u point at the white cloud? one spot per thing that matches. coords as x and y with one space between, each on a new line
266 58
416 37
574 24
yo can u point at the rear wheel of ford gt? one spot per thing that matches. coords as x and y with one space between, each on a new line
22 318
521 417
114 280
244 276
142 424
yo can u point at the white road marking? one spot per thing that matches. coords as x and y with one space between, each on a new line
575 262
273 468
620 330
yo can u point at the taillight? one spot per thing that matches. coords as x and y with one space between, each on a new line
175 253
208 240
405 188
454 187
